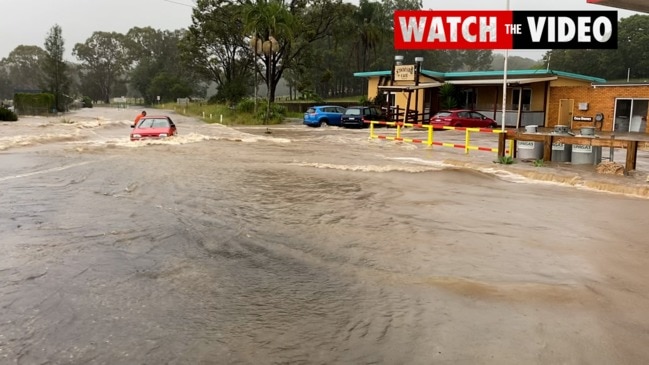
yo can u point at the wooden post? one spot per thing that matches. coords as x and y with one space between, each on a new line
501 144
631 155
547 148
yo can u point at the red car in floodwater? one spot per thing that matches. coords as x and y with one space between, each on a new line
153 127
462 118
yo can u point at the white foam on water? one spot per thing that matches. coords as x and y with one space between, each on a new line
439 165
31 140
368 168
180 139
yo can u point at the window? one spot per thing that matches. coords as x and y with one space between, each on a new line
525 101
160 123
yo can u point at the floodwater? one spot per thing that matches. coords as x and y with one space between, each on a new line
296 245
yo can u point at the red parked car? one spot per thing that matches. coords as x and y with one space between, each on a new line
153 127
462 118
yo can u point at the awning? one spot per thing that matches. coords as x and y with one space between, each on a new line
500 81
427 85
636 5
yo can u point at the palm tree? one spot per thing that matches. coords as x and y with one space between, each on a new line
271 24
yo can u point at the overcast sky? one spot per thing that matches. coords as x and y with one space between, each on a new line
29 21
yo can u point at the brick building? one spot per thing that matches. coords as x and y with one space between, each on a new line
624 107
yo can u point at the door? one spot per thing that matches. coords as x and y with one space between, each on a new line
565 111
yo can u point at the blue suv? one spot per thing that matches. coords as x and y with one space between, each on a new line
316 116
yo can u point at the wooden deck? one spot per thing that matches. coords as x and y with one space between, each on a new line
628 141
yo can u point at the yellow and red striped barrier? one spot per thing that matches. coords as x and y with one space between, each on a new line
430 140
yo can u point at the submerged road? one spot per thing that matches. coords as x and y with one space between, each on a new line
302 246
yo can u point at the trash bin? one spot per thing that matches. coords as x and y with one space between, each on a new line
561 152
529 150
586 155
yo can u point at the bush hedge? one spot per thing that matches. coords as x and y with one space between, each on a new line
7 115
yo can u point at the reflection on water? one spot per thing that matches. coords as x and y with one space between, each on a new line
218 251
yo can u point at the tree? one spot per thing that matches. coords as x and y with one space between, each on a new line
515 63
105 60
24 67
477 59
157 61
6 87
632 54
633 43
286 30
215 47
55 69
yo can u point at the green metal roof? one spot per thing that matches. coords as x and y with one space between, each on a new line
433 74
442 76
372 73
537 72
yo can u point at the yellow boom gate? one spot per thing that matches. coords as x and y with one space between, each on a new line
429 141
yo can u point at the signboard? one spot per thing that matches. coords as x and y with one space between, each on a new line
582 148
582 119
525 145
404 73
504 29
558 147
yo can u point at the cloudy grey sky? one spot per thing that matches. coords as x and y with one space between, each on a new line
29 21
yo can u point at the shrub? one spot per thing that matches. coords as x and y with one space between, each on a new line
7 115
505 160
87 102
246 106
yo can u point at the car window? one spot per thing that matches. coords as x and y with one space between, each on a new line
160 123
310 110
340 109
476 115
353 111
442 114
145 123
463 114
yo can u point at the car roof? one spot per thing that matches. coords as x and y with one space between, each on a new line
155 116
324 106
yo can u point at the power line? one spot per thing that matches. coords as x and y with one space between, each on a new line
178 3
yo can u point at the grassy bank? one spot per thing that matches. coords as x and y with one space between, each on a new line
221 113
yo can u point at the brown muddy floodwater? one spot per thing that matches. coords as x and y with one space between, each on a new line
302 246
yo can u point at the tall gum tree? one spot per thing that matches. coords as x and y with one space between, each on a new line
215 47
104 58
157 66
24 67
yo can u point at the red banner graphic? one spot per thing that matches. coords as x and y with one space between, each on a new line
497 29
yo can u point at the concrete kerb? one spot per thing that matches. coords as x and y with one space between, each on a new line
635 185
